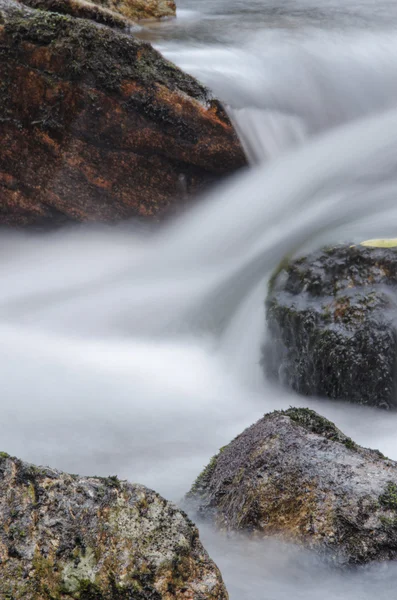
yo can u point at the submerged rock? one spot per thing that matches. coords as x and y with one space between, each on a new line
109 12
98 126
295 475
331 325
88 538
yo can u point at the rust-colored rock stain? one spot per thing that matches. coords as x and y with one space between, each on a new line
97 126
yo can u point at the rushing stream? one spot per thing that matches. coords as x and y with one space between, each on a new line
132 352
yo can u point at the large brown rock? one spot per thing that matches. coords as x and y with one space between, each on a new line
98 126
294 475
66 537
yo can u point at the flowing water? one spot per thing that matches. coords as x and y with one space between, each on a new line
136 352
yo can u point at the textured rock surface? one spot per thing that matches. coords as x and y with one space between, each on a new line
120 13
293 474
97 126
141 9
64 536
331 320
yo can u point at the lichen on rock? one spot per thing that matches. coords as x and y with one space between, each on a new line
88 538
296 476
331 325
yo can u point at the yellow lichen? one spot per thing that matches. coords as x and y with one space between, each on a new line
380 243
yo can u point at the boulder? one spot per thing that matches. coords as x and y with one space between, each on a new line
89 538
137 10
98 126
114 13
294 475
331 325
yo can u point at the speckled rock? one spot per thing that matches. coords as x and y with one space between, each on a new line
294 475
331 325
97 126
137 10
116 13
88 538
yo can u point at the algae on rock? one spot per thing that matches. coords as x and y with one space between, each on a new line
296 476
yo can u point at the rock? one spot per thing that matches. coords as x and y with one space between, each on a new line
331 325
137 10
109 12
89 538
98 126
294 475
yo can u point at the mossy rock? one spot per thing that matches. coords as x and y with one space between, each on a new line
331 325
296 476
108 129
91 538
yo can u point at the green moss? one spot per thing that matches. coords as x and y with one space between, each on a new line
4 455
205 476
40 27
388 522
103 56
89 591
314 422
113 481
109 482
15 532
282 266
389 497
381 455
32 492
47 579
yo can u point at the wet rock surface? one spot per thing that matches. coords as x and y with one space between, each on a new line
98 126
332 325
141 9
64 536
294 475
114 13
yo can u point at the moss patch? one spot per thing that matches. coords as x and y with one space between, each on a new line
314 422
389 497
108 55
203 480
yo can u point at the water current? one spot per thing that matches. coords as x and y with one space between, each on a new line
136 352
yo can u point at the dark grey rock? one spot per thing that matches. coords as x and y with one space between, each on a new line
331 325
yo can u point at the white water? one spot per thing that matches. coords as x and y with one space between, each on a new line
133 352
